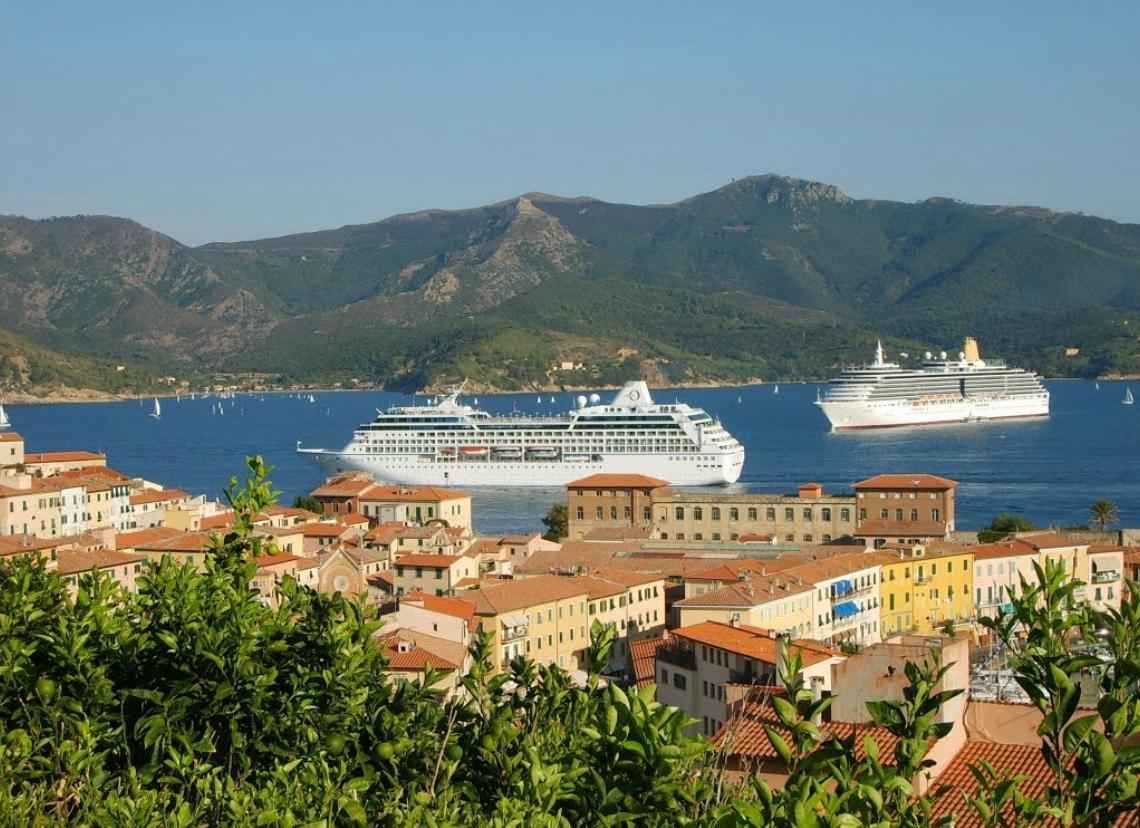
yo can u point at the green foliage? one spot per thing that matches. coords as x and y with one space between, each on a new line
1103 513
556 522
308 502
1004 525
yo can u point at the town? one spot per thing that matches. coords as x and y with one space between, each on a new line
706 591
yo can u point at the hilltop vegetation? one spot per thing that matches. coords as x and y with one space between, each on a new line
767 277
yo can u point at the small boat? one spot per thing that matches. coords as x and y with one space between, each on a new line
776 390
1096 386
476 401
538 399
4 421
542 452
1127 397
157 413
738 400
506 452
473 451
552 400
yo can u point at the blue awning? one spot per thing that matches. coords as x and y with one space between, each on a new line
842 587
845 610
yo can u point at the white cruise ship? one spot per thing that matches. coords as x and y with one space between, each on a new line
941 390
450 443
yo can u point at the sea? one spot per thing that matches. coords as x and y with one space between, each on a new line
1048 469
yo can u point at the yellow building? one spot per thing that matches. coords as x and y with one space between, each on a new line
544 618
943 578
897 592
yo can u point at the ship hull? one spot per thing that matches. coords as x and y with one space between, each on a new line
855 415
716 469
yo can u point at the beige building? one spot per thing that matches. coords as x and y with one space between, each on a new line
1106 563
544 618
633 602
47 463
417 504
433 574
807 517
610 501
701 661
773 602
148 508
123 568
11 454
32 509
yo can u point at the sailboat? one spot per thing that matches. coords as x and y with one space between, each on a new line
738 400
538 399
4 421
1096 386
476 401
776 390
1127 397
157 413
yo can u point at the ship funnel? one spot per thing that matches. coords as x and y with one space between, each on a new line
970 349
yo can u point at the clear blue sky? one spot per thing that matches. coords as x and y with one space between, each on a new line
238 120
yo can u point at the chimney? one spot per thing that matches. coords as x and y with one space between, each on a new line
748 590
811 491
734 621
781 648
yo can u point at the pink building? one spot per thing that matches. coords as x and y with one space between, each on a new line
998 568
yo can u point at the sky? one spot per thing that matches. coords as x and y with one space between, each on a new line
231 121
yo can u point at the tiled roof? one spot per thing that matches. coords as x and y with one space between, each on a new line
1002 549
413 494
1006 759
414 658
62 457
507 596
443 605
752 592
1049 540
350 487
836 567
907 481
274 560
752 642
322 530
222 520
154 496
10 437
17 544
418 532
744 735
71 562
628 578
430 561
617 481
142 537
619 533
184 542
880 527
729 571
643 657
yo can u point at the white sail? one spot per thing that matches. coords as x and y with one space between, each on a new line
157 409
4 421
1127 396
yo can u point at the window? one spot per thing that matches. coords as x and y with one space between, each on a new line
680 512
770 513
966 565
628 513
891 601
598 513
935 515
825 513
581 513
716 513
914 514
789 513
898 514
884 513
698 536
613 513
645 513
734 513
679 681
790 538
752 514
698 513
826 538
680 536
807 513
862 514
807 538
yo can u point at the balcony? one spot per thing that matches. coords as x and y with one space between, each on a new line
922 580
678 656
1105 577
751 677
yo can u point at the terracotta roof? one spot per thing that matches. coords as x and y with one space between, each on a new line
154 496
878 527
744 735
729 571
71 562
321 530
16 544
413 494
223 520
274 560
825 569
597 587
142 537
431 561
617 481
1002 549
507 596
61 457
466 583
1048 540
352 520
629 578
749 593
414 658
418 532
1006 759
309 563
184 542
443 605
752 642
618 533
10 437
907 481
643 658
343 487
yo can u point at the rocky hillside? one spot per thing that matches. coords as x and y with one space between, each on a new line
766 277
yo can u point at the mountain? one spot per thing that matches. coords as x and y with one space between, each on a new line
766 277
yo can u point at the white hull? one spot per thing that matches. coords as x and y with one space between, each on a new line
894 413
424 471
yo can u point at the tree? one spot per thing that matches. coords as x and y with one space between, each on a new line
308 502
557 522
1004 525
1103 513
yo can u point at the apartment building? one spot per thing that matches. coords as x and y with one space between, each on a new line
895 509
807 517
417 504
699 662
1106 563
46 463
943 586
433 574
122 567
773 602
544 618
610 501
633 602
847 597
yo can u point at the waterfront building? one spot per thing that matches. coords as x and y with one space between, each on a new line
610 501
904 509
46 463
807 517
998 570
149 507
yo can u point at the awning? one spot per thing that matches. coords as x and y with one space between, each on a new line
843 586
515 621
845 610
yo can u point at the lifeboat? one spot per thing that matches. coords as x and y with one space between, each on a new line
473 451
506 452
542 452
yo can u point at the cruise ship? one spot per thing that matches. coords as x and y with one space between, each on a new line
450 443
941 390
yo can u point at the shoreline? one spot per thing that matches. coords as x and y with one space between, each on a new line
89 395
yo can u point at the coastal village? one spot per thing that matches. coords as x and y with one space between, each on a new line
706 591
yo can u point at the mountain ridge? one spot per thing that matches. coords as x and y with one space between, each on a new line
767 276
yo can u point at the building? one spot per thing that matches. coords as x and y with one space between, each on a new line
632 602
807 517
46 463
122 567
943 586
610 501
448 618
409 654
544 618
1106 563
417 504
904 509
339 495
847 596
773 602
433 574
695 669
149 507
998 571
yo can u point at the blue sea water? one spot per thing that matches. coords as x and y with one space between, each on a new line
1047 469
